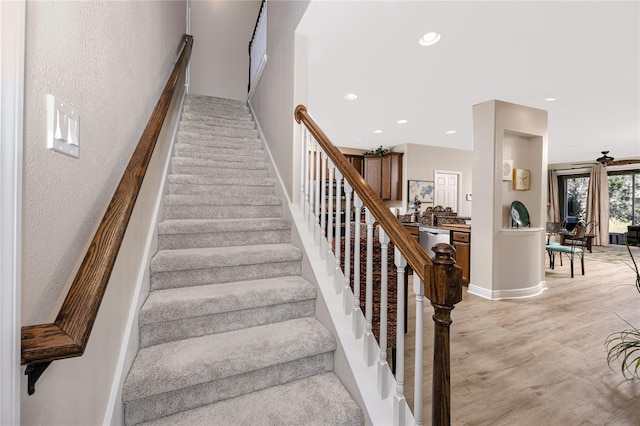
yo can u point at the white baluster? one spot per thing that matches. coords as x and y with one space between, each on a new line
303 152
338 278
383 369
418 288
369 338
330 224
316 205
357 313
399 401
347 301
307 153
311 219
323 207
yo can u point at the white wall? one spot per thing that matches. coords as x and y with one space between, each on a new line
273 98
421 161
111 60
222 30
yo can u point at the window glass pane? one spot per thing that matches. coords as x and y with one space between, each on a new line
636 202
620 195
576 197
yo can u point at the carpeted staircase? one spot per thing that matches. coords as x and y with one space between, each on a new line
228 334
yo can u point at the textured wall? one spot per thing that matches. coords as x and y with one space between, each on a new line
111 60
222 30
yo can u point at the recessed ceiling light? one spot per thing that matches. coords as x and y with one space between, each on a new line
377 131
350 96
551 98
450 132
429 39
402 121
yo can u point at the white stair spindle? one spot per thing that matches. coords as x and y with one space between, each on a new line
307 153
338 278
347 301
311 221
399 401
383 368
369 338
357 313
303 152
323 207
418 288
316 205
330 223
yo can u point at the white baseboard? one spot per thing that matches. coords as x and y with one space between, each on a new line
509 293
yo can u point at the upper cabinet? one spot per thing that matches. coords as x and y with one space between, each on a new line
357 161
384 175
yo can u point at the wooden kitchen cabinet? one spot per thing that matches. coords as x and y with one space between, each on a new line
357 161
461 241
384 175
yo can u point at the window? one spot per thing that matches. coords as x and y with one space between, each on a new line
573 190
624 200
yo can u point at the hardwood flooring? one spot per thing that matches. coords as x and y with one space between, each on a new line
541 360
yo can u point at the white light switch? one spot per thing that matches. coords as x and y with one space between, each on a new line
63 127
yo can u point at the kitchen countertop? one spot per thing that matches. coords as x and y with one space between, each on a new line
451 227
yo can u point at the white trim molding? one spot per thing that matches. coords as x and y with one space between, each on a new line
12 36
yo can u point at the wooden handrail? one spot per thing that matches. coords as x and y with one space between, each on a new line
68 335
408 246
442 278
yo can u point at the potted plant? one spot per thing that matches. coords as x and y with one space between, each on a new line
378 151
624 346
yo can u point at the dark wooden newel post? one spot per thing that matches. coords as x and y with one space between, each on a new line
444 292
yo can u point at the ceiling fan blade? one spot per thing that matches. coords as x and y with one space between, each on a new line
624 162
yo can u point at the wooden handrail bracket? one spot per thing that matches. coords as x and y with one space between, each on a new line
68 335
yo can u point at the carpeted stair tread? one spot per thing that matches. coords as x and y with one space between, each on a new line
178 303
220 131
214 200
319 400
212 101
217 123
212 171
176 365
219 257
222 162
193 226
251 151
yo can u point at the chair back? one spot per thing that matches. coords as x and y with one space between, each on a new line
554 227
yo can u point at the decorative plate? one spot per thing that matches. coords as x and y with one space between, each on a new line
519 213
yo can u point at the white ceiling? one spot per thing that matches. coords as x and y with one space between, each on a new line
585 53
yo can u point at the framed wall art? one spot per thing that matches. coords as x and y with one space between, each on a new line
521 179
423 189
507 170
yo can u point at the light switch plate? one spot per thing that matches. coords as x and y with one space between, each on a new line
63 127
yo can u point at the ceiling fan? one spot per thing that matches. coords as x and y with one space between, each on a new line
607 160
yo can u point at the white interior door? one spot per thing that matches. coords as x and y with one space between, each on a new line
446 189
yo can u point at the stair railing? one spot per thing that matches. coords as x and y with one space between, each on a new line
258 47
439 279
68 335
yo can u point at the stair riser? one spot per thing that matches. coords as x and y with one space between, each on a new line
220 131
188 148
227 274
210 171
225 111
221 164
253 156
167 403
222 212
223 190
208 105
222 239
197 119
212 180
153 334
218 141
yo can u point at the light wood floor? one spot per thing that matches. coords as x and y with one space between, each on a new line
541 360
